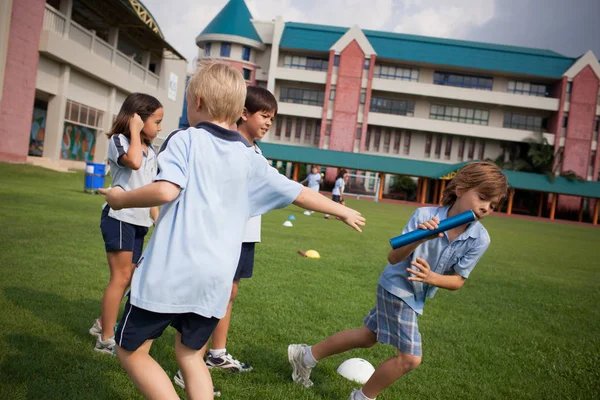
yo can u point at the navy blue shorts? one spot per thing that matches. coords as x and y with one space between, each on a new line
138 325
336 198
122 236
246 262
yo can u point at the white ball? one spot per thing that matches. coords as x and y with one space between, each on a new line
287 223
306 212
356 369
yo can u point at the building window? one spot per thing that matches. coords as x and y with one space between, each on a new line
459 114
525 122
368 139
461 148
596 128
246 53
358 131
481 150
527 88
318 133
392 72
247 73
569 87
407 136
466 81
367 63
363 97
471 149
310 63
288 127
81 128
302 96
328 129
308 133
428 139
225 49
377 139
592 162
336 60
207 49
397 139
438 146
298 129
332 93
448 150
392 106
386 141
278 126
565 123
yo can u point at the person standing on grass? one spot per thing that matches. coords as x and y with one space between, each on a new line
313 180
132 165
210 181
257 118
414 273
337 194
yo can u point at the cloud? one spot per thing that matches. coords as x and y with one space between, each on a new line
444 19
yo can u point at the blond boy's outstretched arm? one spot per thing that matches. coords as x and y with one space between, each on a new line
153 194
312 200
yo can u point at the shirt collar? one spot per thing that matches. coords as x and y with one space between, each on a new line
222 133
472 229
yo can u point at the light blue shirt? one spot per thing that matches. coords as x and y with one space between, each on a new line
314 181
339 187
191 258
443 257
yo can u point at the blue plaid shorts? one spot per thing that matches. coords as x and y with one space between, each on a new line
395 323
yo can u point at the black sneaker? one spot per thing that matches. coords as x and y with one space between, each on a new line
227 362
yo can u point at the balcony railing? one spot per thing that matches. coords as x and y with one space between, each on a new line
58 24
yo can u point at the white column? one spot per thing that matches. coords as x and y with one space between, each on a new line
101 151
113 40
273 62
66 8
55 120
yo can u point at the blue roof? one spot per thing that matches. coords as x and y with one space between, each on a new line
233 19
430 50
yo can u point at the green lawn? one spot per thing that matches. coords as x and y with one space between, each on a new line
525 326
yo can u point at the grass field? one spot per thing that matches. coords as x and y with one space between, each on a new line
526 325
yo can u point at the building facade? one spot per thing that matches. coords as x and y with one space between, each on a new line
413 97
68 65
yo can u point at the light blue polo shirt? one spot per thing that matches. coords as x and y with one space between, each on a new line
314 181
338 187
443 257
191 258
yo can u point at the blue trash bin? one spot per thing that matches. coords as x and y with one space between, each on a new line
94 177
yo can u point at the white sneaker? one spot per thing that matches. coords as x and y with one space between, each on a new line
352 394
300 371
227 362
178 380
105 346
96 329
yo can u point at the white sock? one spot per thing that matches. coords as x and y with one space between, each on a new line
217 352
361 396
309 359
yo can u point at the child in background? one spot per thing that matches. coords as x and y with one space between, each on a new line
414 273
132 165
313 179
337 193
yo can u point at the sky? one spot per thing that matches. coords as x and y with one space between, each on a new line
569 27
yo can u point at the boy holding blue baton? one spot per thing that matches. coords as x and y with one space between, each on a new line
415 271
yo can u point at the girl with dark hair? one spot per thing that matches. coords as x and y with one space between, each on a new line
132 165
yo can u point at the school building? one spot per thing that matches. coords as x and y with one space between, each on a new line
415 103
67 66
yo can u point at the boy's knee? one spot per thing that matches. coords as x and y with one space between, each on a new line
408 362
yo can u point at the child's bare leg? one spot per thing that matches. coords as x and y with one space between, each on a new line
198 383
219 336
344 341
146 374
121 271
389 372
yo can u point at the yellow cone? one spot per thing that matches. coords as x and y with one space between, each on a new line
312 254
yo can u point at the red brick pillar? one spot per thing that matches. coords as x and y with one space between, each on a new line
18 92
